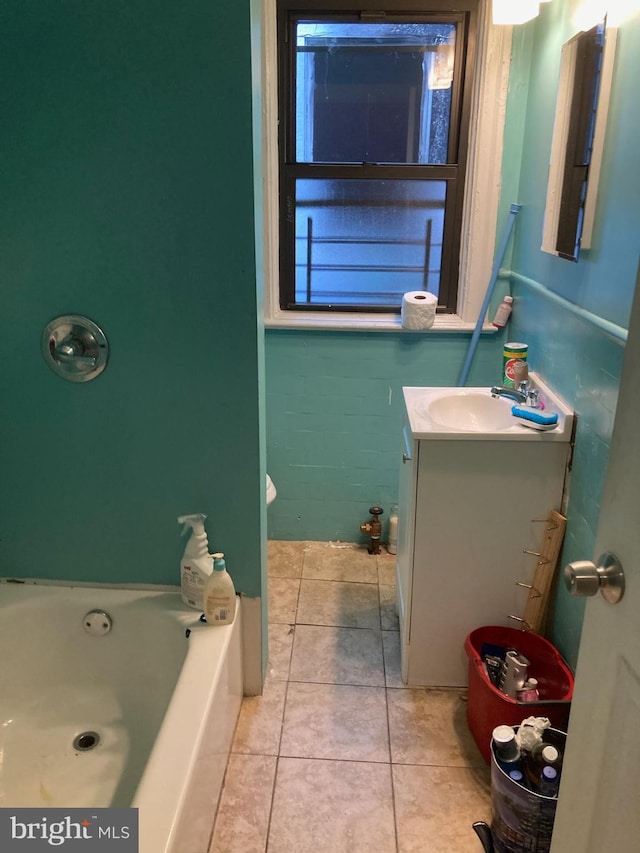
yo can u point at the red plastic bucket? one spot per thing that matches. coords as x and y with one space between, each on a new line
488 707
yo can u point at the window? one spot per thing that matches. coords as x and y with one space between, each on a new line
373 133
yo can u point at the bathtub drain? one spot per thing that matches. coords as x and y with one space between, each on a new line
86 741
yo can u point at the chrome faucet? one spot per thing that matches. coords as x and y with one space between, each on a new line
512 393
523 394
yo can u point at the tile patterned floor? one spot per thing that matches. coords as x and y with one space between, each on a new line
337 755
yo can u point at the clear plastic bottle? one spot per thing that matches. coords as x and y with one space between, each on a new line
219 594
392 544
503 312
196 564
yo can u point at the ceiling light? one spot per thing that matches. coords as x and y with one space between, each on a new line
514 11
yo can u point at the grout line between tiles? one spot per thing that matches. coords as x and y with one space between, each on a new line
273 794
386 704
325 625
338 760
367 584
443 766
393 806
338 684
284 710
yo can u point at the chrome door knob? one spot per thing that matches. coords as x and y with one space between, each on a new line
585 578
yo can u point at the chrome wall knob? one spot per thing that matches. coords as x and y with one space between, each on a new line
71 351
585 578
75 348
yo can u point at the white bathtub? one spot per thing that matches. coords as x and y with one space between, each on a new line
164 707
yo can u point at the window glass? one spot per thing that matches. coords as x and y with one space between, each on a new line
367 241
373 93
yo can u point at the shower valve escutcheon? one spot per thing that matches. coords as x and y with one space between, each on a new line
75 348
373 528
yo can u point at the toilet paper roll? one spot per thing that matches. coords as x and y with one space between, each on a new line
418 310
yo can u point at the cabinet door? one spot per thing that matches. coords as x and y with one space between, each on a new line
474 506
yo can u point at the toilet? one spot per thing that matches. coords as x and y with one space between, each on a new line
271 491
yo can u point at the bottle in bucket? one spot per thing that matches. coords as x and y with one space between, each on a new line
512 354
542 757
529 692
549 782
506 749
514 673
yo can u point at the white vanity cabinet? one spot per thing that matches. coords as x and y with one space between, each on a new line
467 504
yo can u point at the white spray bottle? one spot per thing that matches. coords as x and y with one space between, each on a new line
219 594
196 564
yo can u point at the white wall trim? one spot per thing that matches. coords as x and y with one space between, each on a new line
484 176
270 158
482 192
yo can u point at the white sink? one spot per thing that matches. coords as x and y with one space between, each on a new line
473 414
471 411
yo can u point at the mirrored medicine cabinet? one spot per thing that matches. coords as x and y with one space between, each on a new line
586 69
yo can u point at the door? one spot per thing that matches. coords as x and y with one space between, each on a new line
598 808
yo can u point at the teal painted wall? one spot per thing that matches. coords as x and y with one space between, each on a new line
576 358
334 420
126 180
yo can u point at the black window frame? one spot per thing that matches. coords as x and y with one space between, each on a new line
465 13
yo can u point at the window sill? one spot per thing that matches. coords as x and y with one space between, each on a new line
367 323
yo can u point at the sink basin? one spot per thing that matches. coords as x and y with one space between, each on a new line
471 412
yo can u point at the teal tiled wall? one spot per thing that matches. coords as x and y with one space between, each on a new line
127 195
334 419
